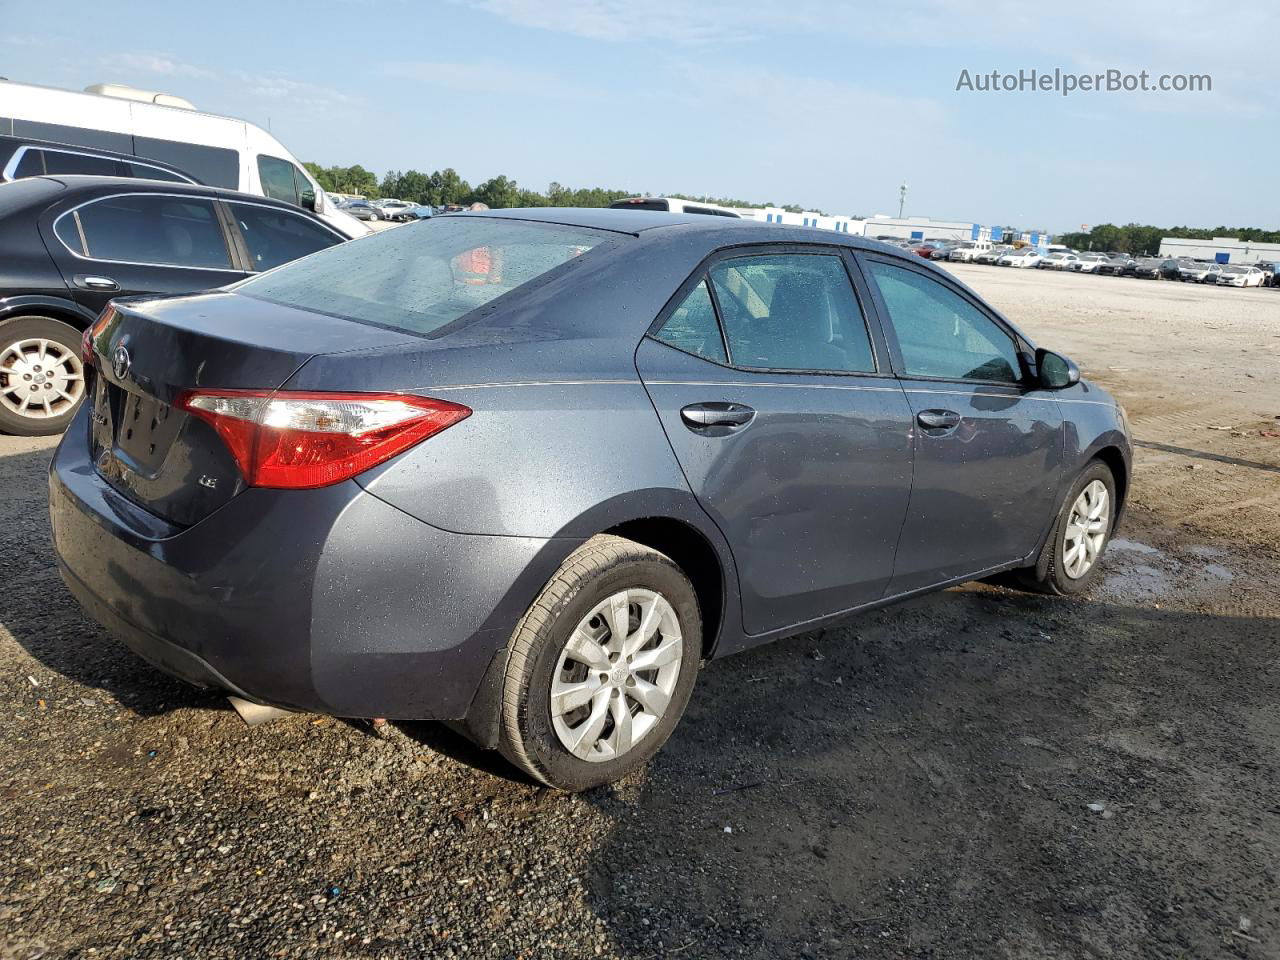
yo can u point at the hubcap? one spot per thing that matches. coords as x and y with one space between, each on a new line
40 379
1086 530
616 675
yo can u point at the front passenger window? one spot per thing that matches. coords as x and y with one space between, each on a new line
942 335
277 236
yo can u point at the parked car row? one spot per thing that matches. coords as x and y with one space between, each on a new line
385 209
1117 264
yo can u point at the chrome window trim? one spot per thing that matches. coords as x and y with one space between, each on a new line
11 167
141 263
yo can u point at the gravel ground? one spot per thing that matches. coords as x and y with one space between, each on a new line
978 773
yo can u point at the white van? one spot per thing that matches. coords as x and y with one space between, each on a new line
119 120
672 205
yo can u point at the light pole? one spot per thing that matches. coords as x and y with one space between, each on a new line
902 198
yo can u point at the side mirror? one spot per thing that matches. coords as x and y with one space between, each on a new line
312 200
1054 371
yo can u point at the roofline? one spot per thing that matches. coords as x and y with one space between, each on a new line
185 111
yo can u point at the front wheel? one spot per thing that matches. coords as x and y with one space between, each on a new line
41 376
1069 562
601 666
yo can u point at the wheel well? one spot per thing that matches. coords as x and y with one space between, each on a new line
692 554
1114 460
69 317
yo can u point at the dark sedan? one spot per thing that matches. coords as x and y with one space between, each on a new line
70 244
526 470
360 209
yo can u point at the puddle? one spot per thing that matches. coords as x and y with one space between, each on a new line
1141 580
1132 546
1219 571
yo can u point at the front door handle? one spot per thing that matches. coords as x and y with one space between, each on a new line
703 415
938 419
91 282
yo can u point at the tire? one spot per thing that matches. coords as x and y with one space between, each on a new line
532 735
31 348
1053 572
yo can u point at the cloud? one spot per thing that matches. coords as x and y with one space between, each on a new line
297 94
488 77
668 21
154 63
26 40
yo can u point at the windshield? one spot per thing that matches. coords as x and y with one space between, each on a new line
422 278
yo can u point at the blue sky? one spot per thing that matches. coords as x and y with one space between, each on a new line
816 102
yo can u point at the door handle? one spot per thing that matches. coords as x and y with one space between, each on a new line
938 419
702 415
90 282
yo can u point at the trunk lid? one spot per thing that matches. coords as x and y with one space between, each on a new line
149 352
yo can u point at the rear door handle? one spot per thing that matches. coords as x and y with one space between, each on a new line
91 282
938 419
699 416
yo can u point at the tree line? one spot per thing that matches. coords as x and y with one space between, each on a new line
1143 240
445 187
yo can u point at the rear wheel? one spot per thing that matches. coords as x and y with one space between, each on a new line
601 666
41 375
1070 560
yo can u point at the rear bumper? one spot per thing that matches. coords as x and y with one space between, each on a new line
325 600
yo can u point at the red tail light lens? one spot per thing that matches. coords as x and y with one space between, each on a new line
298 441
91 334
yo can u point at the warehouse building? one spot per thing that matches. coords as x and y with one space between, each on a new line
806 218
1221 250
924 228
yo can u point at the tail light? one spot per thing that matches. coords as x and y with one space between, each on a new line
91 334
298 441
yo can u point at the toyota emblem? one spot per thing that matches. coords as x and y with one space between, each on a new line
121 362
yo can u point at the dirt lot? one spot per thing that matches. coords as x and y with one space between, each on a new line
916 784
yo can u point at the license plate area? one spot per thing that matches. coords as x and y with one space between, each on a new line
145 429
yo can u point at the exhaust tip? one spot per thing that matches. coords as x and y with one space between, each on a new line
255 714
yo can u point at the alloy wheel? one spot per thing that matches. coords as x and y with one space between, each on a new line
1086 531
40 378
616 675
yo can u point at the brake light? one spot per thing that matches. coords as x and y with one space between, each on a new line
91 334
299 441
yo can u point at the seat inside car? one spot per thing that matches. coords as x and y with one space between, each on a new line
798 328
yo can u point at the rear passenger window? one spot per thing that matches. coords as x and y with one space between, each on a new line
31 164
59 162
155 229
792 312
693 327
277 236
144 171
940 333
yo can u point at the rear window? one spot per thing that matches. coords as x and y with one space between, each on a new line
641 205
422 278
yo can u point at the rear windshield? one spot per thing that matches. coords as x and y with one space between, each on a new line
423 277
640 205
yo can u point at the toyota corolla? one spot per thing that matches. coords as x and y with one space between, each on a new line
526 471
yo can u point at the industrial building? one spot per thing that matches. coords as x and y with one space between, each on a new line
1221 250
923 228
806 218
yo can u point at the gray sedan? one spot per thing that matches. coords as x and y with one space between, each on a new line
527 470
